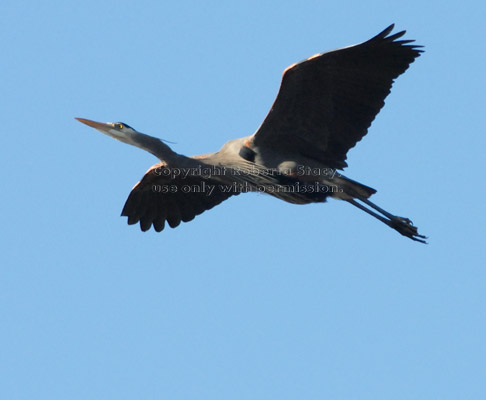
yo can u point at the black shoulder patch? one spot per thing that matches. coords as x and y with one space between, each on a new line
247 153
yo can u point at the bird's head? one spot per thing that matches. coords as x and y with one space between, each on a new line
117 130
126 134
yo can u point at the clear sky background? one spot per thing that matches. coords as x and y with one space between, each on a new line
255 299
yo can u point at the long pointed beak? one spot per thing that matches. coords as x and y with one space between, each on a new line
103 126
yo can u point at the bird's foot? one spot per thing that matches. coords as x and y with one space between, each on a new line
405 227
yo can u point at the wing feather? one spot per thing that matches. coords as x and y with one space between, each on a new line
160 198
326 103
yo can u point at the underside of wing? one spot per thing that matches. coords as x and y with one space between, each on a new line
161 196
326 103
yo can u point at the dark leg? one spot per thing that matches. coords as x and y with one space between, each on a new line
402 225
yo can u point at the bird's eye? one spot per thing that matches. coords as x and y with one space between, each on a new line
120 126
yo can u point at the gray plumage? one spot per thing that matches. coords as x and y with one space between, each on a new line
325 105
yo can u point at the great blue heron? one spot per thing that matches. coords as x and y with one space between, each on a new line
323 108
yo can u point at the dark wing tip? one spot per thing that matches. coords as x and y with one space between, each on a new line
386 31
383 36
149 206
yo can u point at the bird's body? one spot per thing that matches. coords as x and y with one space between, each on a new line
324 107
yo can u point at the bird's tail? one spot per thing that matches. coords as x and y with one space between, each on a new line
348 189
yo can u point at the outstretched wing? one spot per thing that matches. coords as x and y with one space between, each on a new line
326 103
160 196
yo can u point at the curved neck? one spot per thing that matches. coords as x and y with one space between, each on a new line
151 144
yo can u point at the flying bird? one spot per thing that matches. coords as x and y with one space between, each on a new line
324 106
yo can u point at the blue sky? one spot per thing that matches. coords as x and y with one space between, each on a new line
255 299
